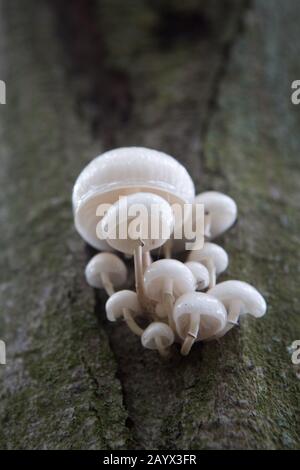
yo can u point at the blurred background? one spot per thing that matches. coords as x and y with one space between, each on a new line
209 83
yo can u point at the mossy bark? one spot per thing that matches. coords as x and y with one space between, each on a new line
209 83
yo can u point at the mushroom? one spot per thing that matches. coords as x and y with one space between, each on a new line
200 273
124 304
238 298
165 280
106 271
158 336
214 258
146 259
138 217
137 234
221 212
122 172
198 316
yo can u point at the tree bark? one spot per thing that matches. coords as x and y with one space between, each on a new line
210 84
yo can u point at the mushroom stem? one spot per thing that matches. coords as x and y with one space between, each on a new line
138 270
212 272
167 249
168 301
132 325
163 351
234 312
207 224
232 318
107 284
191 335
146 257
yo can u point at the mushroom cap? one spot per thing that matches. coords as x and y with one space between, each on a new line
120 300
213 251
124 171
200 273
211 311
157 329
222 208
252 301
144 216
105 263
168 269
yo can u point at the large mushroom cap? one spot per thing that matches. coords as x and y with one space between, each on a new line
211 312
157 330
125 171
222 209
181 276
120 300
251 300
105 263
213 251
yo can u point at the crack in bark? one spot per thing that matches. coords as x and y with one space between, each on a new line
226 54
86 49
98 309
103 93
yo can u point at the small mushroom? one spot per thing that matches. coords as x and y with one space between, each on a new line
214 258
106 271
138 231
158 336
200 273
198 316
221 212
238 298
165 280
140 216
124 304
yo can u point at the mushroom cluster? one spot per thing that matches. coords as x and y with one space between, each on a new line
173 301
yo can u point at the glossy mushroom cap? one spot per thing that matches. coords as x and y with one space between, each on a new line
105 263
157 330
121 172
120 300
251 300
200 273
140 216
213 251
222 209
168 269
211 312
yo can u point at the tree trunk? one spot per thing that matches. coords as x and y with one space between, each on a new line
207 82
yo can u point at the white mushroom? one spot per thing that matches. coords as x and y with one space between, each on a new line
158 336
238 298
165 280
214 257
200 273
198 316
147 259
221 212
106 271
140 216
124 304
122 172
136 224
